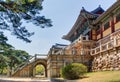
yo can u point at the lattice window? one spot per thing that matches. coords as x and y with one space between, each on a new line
106 25
118 18
98 29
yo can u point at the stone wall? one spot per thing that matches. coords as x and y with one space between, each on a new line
56 62
108 60
28 69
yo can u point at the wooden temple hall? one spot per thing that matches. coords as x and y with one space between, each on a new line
95 42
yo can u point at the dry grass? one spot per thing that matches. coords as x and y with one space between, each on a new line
106 76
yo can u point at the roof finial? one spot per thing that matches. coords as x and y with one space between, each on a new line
99 5
83 8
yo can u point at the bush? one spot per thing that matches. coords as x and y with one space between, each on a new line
73 71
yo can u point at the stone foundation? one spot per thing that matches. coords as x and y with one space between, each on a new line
108 60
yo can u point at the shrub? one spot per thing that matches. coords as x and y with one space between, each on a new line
73 71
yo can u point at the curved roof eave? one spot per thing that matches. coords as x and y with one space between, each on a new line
108 11
76 23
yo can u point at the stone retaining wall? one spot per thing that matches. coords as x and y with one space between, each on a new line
109 60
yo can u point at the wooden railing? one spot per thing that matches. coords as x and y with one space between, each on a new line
114 42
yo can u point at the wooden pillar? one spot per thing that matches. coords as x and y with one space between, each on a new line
90 35
112 23
101 30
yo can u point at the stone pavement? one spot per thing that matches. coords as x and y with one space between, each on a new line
5 79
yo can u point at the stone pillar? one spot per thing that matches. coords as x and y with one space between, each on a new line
87 37
115 41
81 37
100 46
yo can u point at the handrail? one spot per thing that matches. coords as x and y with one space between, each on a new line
108 36
114 42
23 64
30 60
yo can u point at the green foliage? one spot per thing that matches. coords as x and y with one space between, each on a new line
4 71
16 57
9 57
40 69
73 71
12 59
14 12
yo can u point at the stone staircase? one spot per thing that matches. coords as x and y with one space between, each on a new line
23 65
27 68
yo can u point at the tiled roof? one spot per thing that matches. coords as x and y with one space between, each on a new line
98 10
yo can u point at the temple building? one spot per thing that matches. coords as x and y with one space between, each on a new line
106 53
95 42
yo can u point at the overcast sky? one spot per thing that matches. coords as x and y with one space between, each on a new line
63 13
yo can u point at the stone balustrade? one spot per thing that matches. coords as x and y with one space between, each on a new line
114 42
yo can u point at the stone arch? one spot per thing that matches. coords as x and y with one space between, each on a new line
37 62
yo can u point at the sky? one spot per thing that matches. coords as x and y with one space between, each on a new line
63 14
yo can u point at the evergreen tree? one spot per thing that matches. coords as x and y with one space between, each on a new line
14 12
